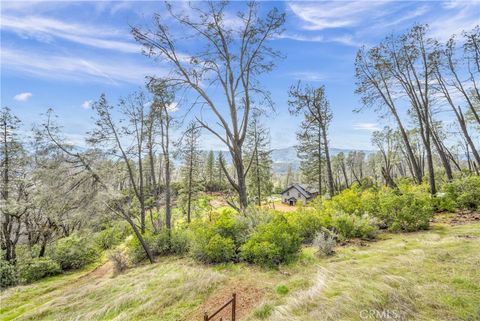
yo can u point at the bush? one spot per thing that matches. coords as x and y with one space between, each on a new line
226 233
168 242
272 244
110 237
37 268
325 242
351 226
74 252
220 249
8 275
410 211
348 201
307 222
179 242
119 260
465 192
134 249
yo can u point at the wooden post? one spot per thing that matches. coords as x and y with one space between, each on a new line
234 304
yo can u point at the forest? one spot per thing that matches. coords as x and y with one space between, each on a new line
136 197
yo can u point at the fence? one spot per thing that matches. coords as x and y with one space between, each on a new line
232 301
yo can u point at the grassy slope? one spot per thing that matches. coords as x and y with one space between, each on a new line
431 275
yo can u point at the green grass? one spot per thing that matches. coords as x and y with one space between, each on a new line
432 275
429 276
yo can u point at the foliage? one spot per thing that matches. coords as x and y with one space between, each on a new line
8 275
263 311
111 236
225 232
351 226
220 249
308 222
465 192
349 201
119 260
271 244
325 242
407 211
74 252
37 268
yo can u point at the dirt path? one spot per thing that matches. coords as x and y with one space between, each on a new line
248 296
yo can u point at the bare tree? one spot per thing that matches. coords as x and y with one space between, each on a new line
120 205
384 140
232 59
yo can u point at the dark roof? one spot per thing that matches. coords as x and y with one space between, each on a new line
304 190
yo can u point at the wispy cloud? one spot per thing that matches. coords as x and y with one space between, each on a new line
308 76
46 65
462 15
22 96
334 14
47 30
87 104
366 126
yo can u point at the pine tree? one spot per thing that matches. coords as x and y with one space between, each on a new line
191 184
258 161
210 171
313 149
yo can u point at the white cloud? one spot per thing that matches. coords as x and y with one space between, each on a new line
334 14
366 126
105 70
46 30
87 104
22 96
173 107
462 15
308 76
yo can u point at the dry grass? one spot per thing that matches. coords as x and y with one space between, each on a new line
429 276
426 276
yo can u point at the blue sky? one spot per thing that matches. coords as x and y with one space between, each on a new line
65 54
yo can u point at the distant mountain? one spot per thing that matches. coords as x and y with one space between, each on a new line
284 157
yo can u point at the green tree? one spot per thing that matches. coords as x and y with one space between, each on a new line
259 163
191 182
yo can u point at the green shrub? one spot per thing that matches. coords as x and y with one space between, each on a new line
227 224
226 232
350 226
220 249
272 244
134 249
348 201
410 211
282 289
263 311
307 222
179 242
110 237
8 275
168 242
465 192
74 252
37 268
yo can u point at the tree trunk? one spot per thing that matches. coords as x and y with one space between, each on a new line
329 164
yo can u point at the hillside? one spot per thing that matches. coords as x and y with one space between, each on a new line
431 275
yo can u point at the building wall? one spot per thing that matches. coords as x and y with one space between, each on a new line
295 193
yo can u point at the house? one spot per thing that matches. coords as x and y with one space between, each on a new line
298 193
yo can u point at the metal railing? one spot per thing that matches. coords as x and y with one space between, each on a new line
232 301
